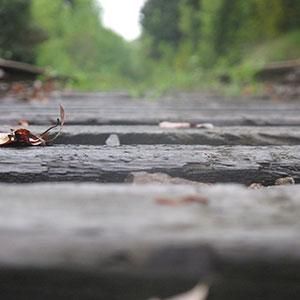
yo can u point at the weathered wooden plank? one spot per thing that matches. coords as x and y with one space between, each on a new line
116 242
114 109
20 67
131 118
128 135
242 164
122 100
278 69
14 70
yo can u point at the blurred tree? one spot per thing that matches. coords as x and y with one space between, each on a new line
233 28
19 35
292 15
190 27
278 16
160 21
201 32
78 43
190 21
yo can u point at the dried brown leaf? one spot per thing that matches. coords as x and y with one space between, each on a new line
167 201
194 199
188 199
23 137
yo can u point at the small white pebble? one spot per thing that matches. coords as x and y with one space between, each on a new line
113 141
205 126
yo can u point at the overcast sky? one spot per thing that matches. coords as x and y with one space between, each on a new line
122 16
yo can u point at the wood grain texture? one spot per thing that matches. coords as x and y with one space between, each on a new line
151 135
92 242
120 109
241 164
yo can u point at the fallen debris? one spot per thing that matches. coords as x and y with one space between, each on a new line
31 91
255 186
195 198
22 137
285 181
159 178
174 125
177 125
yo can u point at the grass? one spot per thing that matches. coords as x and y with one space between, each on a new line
286 47
161 79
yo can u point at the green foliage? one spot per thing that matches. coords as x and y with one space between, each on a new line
80 46
216 37
160 21
185 44
284 47
213 29
19 34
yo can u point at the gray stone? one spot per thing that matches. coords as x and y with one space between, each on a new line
113 140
